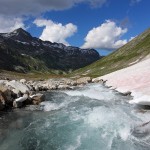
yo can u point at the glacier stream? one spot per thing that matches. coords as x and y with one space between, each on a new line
88 118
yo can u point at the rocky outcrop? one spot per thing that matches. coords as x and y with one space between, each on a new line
23 81
96 80
17 94
84 80
142 131
17 87
21 93
2 101
37 98
7 94
18 102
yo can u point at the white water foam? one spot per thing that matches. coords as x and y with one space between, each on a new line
124 133
51 106
110 121
78 143
94 92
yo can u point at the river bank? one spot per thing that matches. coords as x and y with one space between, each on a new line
19 93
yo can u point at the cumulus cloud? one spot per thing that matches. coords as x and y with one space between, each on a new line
10 24
28 7
106 36
23 8
55 32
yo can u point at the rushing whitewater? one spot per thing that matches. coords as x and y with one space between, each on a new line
89 118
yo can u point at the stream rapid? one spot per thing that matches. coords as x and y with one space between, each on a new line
92 117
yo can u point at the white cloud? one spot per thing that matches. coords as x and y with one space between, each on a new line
32 7
9 24
55 32
11 11
106 36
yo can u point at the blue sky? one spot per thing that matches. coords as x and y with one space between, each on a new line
128 18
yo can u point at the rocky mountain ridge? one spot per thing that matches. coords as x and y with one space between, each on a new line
21 52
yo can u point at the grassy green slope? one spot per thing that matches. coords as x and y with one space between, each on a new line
135 50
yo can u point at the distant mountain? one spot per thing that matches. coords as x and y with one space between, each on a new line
131 53
21 52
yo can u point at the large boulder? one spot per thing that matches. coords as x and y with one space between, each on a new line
2 100
98 79
37 98
9 95
17 87
19 101
66 81
84 80
52 86
142 131
62 87
17 104
73 83
23 81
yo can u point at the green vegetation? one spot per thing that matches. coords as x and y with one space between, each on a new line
129 54
34 75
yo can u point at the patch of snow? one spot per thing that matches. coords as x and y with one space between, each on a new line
61 46
25 43
24 55
47 44
15 32
84 74
141 100
135 78
88 71
102 68
35 43
134 62
8 35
